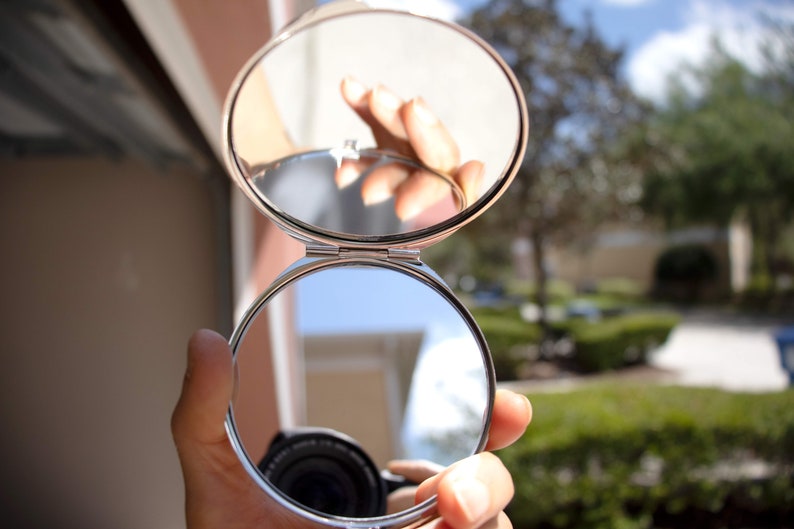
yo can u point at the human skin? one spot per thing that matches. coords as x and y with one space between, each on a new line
409 128
471 494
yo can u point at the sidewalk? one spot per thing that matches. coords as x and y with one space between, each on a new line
733 352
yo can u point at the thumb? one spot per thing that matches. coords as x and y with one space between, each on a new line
198 417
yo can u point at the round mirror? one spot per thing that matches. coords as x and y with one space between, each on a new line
372 365
374 127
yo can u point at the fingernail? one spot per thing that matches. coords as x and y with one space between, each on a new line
386 98
376 194
346 175
423 112
473 497
407 210
525 400
353 90
476 178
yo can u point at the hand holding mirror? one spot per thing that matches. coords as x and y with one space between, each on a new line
366 134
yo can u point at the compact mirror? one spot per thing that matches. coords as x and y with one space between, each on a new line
367 134
383 367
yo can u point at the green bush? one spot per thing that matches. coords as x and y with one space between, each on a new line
509 339
620 288
642 457
682 272
557 290
619 341
610 343
687 262
763 295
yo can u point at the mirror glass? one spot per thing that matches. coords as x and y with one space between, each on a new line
367 365
373 124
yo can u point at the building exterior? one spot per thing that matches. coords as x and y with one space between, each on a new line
121 236
620 252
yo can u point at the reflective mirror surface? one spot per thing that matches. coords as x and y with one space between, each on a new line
370 365
381 124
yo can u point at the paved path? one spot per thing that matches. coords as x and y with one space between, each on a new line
722 350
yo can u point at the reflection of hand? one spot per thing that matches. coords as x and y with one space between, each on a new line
219 493
411 129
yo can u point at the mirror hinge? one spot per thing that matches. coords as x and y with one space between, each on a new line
321 251
398 254
404 254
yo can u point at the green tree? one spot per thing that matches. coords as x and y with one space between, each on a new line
723 146
578 104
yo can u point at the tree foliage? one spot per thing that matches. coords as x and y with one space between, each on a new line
578 105
722 146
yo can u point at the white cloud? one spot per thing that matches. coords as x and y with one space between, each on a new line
738 29
443 9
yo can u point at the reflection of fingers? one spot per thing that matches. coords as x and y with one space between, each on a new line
348 172
512 413
360 98
429 137
470 492
381 183
470 178
420 191
355 94
385 106
357 97
416 470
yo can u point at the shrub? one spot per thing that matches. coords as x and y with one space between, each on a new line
642 457
619 288
682 271
558 291
509 338
616 342
762 294
606 344
687 262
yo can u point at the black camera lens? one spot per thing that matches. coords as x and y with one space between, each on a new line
325 471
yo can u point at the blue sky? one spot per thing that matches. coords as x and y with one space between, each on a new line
658 34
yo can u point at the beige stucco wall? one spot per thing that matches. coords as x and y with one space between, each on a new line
354 402
107 267
359 384
633 255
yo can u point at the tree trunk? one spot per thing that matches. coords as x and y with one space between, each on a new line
763 245
541 288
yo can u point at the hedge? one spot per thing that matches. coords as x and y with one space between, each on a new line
634 457
619 341
508 338
606 344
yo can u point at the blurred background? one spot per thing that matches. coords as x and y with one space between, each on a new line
635 281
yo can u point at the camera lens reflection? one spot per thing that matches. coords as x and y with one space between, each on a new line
325 471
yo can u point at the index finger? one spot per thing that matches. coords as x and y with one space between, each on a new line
430 139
